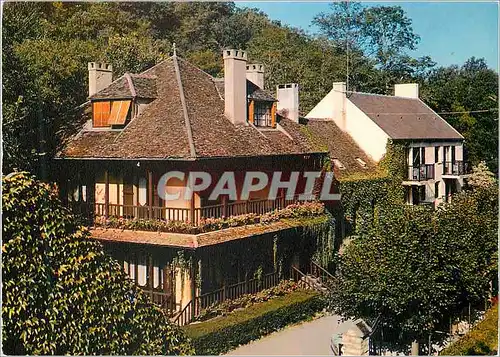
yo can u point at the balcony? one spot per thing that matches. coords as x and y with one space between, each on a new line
456 168
422 172
193 216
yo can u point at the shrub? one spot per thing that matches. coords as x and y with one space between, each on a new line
481 340
61 293
224 333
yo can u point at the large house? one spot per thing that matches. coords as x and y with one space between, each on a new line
435 153
176 117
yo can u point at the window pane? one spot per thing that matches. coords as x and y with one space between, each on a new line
262 114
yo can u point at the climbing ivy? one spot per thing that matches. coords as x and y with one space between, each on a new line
61 293
363 195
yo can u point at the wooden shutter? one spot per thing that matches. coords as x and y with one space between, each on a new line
273 115
119 111
251 110
100 113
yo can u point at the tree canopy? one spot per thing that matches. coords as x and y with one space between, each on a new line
46 47
415 269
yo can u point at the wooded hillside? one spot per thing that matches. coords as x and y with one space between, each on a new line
46 47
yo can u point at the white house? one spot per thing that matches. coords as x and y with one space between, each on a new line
436 166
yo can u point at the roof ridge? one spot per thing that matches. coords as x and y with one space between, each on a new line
195 67
130 84
150 68
381 95
184 107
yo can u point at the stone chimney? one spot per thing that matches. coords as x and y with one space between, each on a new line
288 100
235 85
408 90
339 95
255 74
100 76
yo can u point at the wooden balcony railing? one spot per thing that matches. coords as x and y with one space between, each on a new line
194 216
421 172
230 292
456 168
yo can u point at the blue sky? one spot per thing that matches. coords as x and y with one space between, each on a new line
451 32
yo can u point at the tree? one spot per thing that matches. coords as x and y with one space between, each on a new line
382 33
471 90
61 293
481 176
415 268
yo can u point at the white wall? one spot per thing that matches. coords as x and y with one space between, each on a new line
324 109
368 135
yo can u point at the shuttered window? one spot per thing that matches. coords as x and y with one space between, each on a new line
100 113
119 112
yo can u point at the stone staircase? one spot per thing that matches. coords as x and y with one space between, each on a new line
316 278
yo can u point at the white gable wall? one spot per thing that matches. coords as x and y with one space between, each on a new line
325 108
368 135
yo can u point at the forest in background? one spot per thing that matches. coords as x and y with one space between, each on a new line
46 47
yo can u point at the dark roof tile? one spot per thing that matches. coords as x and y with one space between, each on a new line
404 118
160 131
341 146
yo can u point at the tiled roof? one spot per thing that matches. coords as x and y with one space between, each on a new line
404 118
161 130
145 86
341 147
256 93
141 86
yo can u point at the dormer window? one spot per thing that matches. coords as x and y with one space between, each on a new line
110 113
262 113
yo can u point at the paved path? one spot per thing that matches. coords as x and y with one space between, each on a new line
309 338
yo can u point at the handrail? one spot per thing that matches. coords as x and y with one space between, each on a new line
258 206
296 272
229 292
323 270
185 315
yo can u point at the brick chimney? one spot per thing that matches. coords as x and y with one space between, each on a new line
407 90
288 100
100 76
235 86
255 74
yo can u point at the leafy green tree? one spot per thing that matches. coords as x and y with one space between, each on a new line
61 293
467 89
416 268
381 33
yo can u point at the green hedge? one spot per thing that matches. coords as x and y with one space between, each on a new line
481 340
222 334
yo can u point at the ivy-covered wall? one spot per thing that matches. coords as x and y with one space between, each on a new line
363 195
234 261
